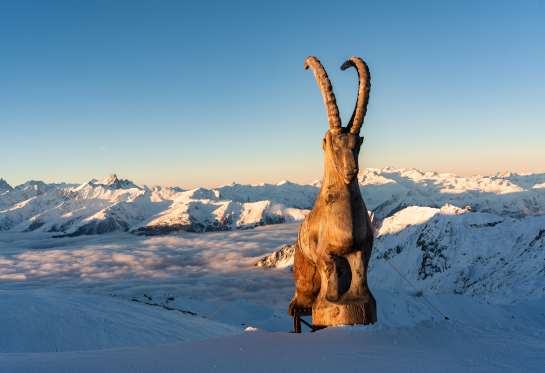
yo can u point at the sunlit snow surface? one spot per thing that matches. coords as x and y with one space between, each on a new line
118 290
112 204
431 346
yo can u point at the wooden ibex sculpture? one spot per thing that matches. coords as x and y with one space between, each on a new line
335 240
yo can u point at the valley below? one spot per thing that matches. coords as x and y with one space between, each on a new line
117 273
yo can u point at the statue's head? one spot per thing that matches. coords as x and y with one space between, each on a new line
343 149
342 144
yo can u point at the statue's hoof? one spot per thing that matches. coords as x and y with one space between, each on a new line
299 308
351 314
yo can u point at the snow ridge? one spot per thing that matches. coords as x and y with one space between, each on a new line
456 251
113 204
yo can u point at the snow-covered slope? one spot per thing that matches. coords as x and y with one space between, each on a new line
485 272
456 251
43 185
113 204
386 191
431 346
281 258
57 322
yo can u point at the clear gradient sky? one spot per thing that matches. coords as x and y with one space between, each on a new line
204 93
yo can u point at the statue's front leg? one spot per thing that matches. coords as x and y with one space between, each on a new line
336 275
344 298
307 285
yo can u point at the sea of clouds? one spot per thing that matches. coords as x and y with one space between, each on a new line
210 266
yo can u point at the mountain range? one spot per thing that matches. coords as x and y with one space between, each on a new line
454 251
111 204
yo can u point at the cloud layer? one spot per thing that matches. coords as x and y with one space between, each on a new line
210 266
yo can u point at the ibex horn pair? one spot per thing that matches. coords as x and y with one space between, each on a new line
356 121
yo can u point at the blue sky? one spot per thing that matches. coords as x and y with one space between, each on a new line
204 93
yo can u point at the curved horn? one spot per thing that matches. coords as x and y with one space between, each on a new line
363 93
327 92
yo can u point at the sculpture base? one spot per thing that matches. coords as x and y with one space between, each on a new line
330 314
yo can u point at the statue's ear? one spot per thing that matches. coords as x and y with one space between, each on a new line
323 144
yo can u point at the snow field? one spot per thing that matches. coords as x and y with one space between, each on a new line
430 346
120 302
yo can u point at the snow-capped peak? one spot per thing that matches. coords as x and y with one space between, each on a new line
4 186
448 209
389 169
504 174
39 184
109 180
112 181
115 204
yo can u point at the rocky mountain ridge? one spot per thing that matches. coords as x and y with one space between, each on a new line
114 204
454 251
4 186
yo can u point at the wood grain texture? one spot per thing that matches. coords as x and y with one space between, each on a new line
335 240
364 88
327 92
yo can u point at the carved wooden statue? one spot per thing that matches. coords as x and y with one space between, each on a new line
335 240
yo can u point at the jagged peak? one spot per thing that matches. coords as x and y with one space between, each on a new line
389 169
109 180
449 209
4 185
31 183
115 183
